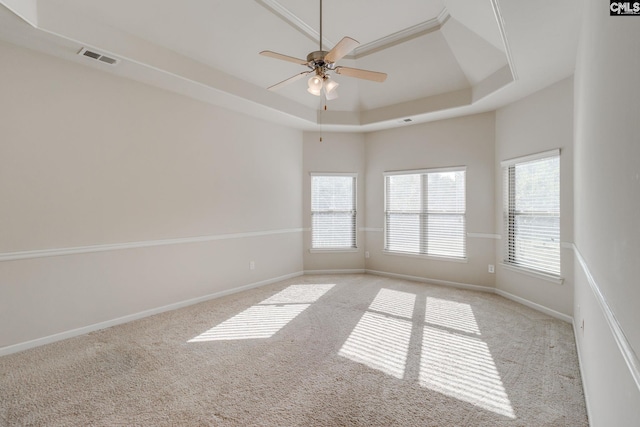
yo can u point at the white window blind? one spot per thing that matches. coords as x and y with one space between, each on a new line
425 212
532 212
333 211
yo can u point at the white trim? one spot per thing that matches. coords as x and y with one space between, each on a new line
352 174
503 34
431 281
566 245
401 36
535 306
131 317
425 171
523 301
342 271
485 236
332 250
424 256
630 357
532 273
41 253
530 157
293 20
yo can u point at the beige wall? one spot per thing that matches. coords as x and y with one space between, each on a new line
607 214
343 153
90 159
466 141
540 122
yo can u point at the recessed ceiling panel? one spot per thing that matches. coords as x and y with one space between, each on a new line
364 20
479 17
418 68
477 57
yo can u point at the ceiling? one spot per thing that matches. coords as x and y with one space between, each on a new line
444 58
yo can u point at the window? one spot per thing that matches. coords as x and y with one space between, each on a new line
425 212
532 212
333 211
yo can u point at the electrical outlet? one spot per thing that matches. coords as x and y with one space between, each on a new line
492 268
252 265
366 254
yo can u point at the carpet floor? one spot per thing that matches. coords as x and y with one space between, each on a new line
333 350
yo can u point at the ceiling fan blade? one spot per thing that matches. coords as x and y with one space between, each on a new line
344 46
283 57
289 80
362 74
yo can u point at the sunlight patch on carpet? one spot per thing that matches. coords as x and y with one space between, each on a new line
451 314
265 319
392 302
380 340
461 367
299 294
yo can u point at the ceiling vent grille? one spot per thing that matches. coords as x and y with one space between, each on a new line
98 56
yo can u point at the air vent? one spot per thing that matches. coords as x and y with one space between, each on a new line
97 56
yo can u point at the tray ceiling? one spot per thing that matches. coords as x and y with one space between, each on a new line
443 57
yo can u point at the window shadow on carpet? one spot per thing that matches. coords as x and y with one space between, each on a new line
453 359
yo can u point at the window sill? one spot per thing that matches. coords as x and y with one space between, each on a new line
532 273
429 257
332 250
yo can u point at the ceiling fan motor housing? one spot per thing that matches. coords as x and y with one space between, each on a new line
316 61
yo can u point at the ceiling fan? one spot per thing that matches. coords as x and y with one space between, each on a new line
321 63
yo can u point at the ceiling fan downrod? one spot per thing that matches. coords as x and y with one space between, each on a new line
321 25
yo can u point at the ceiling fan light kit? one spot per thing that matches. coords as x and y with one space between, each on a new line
321 62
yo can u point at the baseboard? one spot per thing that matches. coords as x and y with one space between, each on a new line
582 375
432 281
523 301
15 348
343 271
535 306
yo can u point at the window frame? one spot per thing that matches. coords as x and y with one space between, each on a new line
509 214
353 211
424 211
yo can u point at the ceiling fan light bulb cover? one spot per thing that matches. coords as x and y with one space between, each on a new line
330 85
315 83
330 95
314 91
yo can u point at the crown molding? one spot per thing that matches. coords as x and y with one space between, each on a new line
401 36
503 34
290 18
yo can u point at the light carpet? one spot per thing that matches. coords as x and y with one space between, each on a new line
334 350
